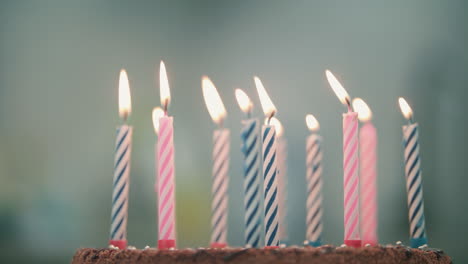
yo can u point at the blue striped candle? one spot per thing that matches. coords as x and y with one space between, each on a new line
118 234
252 191
414 185
270 186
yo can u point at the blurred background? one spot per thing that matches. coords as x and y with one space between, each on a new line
59 65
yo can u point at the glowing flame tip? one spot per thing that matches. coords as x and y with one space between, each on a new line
312 123
363 110
213 101
125 104
405 108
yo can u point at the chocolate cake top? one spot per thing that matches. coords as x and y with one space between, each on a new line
289 255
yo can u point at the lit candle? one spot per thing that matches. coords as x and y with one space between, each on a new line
123 148
368 173
219 203
314 224
252 193
350 166
413 178
166 177
281 154
270 185
156 115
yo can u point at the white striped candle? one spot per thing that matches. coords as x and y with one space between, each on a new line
314 211
270 186
250 136
413 178
121 182
281 158
121 185
270 169
252 192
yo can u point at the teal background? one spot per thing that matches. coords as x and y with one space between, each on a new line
59 64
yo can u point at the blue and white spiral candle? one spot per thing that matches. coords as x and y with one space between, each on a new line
123 148
270 186
314 190
252 192
414 185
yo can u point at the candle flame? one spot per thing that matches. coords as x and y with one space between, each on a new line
337 88
125 104
405 108
157 114
363 110
164 90
312 123
267 105
244 101
213 101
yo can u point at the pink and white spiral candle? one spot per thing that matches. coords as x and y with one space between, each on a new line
351 180
219 188
368 181
282 153
166 184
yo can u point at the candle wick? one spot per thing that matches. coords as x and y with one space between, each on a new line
166 103
271 116
348 103
125 117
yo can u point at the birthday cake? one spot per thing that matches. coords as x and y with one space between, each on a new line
325 254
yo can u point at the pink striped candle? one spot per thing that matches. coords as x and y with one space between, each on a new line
166 181
368 173
350 166
166 186
219 203
351 179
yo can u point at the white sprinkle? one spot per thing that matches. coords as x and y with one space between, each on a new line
423 246
113 247
399 243
171 249
131 247
343 245
282 245
147 247
306 242
248 246
367 245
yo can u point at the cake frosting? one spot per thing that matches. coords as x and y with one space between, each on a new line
390 254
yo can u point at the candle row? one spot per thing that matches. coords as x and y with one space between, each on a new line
264 151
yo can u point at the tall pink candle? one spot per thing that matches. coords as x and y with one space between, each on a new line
350 166
166 186
368 177
368 173
351 179
166 181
